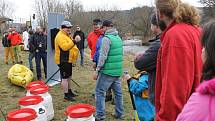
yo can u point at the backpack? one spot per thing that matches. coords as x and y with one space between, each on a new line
6 42
145 93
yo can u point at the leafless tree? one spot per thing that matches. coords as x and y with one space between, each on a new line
139 19
72 7
68 7
136 20
208 10
6 8
41 8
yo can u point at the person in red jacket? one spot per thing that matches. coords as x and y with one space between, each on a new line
200 106
16 40
179 61
94 35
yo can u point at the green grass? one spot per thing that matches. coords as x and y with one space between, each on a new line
9 94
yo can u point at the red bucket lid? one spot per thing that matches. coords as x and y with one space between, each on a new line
39 89
30 100
35 83
79 110
24 114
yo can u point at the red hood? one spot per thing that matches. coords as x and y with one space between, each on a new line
98 32
207 87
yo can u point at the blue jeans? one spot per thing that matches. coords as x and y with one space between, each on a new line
30 58
82 56
38 56
104 82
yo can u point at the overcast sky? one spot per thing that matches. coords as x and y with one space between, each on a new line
24 8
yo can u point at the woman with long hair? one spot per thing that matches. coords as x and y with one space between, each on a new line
179 62
201 103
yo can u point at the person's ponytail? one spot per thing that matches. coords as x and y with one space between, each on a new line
186 13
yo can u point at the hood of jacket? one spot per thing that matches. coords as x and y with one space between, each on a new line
97 31
207 87
112 31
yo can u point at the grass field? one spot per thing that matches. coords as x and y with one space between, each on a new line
9 94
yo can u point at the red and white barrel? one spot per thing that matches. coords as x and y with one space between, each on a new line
43 92
80 112
24 114
33 84
36 103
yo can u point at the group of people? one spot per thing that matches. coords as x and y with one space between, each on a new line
107 53
170 71
167 86
179 58
34 41
11 42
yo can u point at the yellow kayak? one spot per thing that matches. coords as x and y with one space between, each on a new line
20 75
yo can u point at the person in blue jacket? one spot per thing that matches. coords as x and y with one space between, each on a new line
98 45
96 59
138 86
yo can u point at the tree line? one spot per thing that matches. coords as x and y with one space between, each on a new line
135 21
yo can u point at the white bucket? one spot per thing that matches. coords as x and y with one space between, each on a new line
36 103
43 92
90 118
80 112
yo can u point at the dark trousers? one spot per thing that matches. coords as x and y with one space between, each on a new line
38 56
82 57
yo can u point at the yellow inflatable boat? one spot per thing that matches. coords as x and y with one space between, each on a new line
20 75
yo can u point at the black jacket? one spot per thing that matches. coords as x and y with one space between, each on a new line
80 44
38 41
6 42
147 62
30 44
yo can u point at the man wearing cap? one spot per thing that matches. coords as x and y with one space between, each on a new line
93 38
66 52
109 71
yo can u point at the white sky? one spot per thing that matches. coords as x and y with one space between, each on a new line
24 8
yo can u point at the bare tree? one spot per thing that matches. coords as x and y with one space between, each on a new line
139 19
208 10
106 12
72 7
41 8
6 8
136 20
69 7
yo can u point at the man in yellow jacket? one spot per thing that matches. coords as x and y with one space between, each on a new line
66 53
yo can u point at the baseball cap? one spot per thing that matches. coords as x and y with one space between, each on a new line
66 24
107 23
